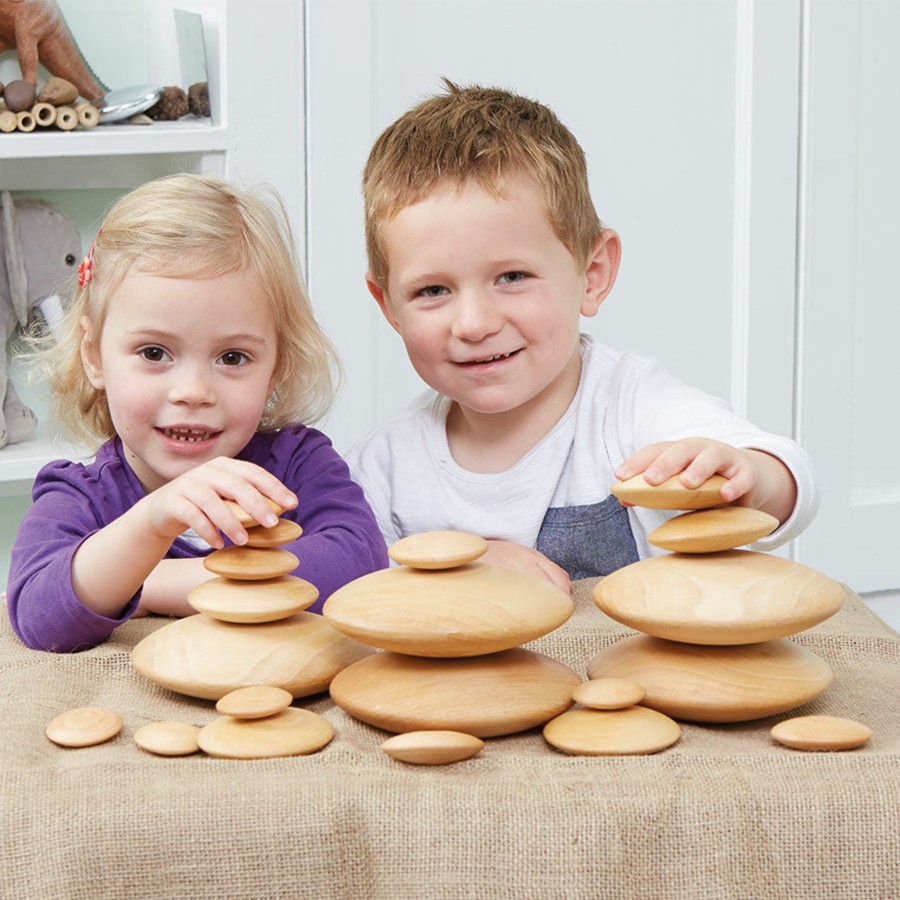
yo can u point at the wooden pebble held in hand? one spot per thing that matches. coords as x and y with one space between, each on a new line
432 748
671 494
821 733
84 727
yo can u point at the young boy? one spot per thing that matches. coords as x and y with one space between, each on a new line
484 252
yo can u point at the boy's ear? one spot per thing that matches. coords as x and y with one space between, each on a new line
382 301
601 270
90 354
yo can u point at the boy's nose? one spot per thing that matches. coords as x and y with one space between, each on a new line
475 317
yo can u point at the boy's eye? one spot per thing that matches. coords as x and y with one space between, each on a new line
432 290
512 277
233 358
154 354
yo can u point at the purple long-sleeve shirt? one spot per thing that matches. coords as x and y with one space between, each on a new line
340 539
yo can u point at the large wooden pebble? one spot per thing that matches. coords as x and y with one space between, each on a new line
292 732
465 611
251 563
256 701
84 727
716 684
671 494
282 533
821 733
203 657
735 597
245 518
621 732
432 748
262 601
485 696
608 693
168 738
438 549
713 530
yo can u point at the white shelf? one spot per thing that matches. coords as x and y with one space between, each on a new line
19 463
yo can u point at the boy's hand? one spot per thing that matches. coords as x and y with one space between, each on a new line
754 478
515 556
197 498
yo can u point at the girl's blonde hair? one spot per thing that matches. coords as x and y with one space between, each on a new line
484 133
196 226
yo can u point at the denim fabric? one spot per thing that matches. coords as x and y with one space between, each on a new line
589 540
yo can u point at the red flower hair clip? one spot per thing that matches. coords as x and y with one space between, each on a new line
86 269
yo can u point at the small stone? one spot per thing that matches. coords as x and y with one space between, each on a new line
251 563
292 732
168 738
84 727
19 95
283 532
608 693
59 92
254 702
172 105
198 99
438 549
432 748
821 733
671 494
620 732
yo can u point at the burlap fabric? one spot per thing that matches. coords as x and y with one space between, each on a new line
724 813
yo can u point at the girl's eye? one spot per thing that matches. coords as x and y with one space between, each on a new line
154 354
512 277
233 358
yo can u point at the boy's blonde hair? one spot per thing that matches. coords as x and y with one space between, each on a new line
484 133
196 226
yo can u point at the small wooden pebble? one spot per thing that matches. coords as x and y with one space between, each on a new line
608 693
254 702
251 563
619 732
438 549
713 530
168 738
245 518
671 494
821 733
282 533
292 732
84 727
432 748
267 600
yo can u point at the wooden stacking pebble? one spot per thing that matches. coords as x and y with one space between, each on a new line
821 733
713 530
245 518
735 597
292 732
256 701
282 533
671 494
432 748
593 732
84 727
465 611
608 693
716 684
438 549
202 657
168 738
251 563
486 696
262 601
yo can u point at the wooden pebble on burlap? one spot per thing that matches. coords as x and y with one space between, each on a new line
168 738
432 748
251 563
438 549
713 530
283 532
256 701
671 494
608 693
821 733
619 732
292 732
84 727
268 600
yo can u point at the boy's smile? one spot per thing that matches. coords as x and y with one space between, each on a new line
488 301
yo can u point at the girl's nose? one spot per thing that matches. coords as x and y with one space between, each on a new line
475 317
191 386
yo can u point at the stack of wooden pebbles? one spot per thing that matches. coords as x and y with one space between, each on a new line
714 620
250 631
450 629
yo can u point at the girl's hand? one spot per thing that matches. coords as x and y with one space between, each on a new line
515 556
197 498
753 478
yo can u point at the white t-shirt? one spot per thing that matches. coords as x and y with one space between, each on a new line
623 403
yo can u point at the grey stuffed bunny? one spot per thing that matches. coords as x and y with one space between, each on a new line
41 252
